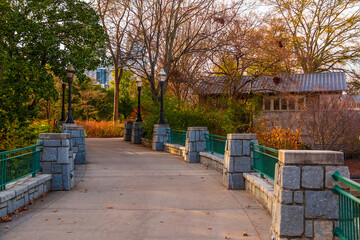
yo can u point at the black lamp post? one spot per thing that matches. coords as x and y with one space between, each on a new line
139 84
162 78
63 119
70 72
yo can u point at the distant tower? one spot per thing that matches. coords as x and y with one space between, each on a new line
101 75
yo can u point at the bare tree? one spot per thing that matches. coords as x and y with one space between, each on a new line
329 122
116 17
170 29
250 46
324 33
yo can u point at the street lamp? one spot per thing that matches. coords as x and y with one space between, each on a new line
63 119
70 72
162 78
139 84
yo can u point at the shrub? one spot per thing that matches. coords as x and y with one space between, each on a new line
18 135
278 137
102 129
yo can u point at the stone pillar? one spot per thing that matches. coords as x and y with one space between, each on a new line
137 132
77 142
57 159
128 130
159 136
237 159
195 143
304 205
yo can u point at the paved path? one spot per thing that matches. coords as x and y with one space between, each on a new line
131 192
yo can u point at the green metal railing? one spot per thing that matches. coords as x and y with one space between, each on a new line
264 160
177 136
215 144
19 163
349 209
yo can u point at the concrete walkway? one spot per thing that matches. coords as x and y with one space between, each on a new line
131 192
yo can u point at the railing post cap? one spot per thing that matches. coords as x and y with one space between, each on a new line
73 127
311 157
197 128
162 125
50 136
241 136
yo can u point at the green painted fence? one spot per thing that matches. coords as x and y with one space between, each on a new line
215 144
19 163
349 210
177 137
264 160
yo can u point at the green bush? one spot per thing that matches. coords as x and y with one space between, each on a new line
226 117
18 135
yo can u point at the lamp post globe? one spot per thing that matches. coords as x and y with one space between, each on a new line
139 84
70 73
162 78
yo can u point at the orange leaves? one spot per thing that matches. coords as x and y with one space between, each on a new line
102 129
279 138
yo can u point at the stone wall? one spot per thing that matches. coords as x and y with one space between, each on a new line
213 160
128 130
77 142
137 132
237 159
160 136
304 205
57 159
21 195
261 189
175 149
146 142
195 143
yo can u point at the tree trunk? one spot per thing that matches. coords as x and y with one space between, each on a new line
118 75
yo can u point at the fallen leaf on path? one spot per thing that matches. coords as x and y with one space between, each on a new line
209 228
7 226
245 234
227 237
248 206
86 190
121 194
161 221
7 218
54 210
109 207
202 177
25 208
43 195
207 213
46 219
32 203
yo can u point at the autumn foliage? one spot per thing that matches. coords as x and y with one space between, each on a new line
278 137
102 129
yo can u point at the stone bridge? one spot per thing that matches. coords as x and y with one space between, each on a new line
127 191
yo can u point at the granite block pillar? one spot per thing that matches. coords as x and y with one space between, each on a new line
160 136
128 130
195 143
57 159
304 205
237 159
137 132
77 134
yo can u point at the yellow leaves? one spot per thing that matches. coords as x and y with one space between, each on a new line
279 138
